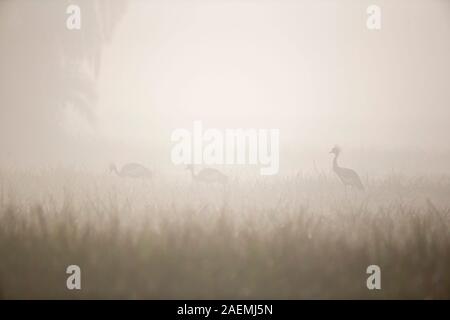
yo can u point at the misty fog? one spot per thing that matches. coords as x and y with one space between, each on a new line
89 109
137 70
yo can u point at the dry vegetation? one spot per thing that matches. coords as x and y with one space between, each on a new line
292 237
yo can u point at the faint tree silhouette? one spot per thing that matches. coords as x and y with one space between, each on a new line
44 67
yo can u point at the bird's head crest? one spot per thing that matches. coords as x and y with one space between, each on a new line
336 150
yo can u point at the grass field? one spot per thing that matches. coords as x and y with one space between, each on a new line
285 237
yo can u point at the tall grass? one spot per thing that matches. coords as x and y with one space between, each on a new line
286 237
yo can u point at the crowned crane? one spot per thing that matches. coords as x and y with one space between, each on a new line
207 175
348 176
131 170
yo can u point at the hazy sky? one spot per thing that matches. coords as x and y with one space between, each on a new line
310 68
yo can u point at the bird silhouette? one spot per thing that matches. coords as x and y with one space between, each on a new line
131 170
348 176
207 175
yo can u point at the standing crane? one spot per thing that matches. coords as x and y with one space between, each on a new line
207 175
348 176
131 170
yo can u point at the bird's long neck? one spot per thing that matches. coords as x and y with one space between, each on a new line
335 163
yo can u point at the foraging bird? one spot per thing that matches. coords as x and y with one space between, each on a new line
131 170
207 175
348 176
